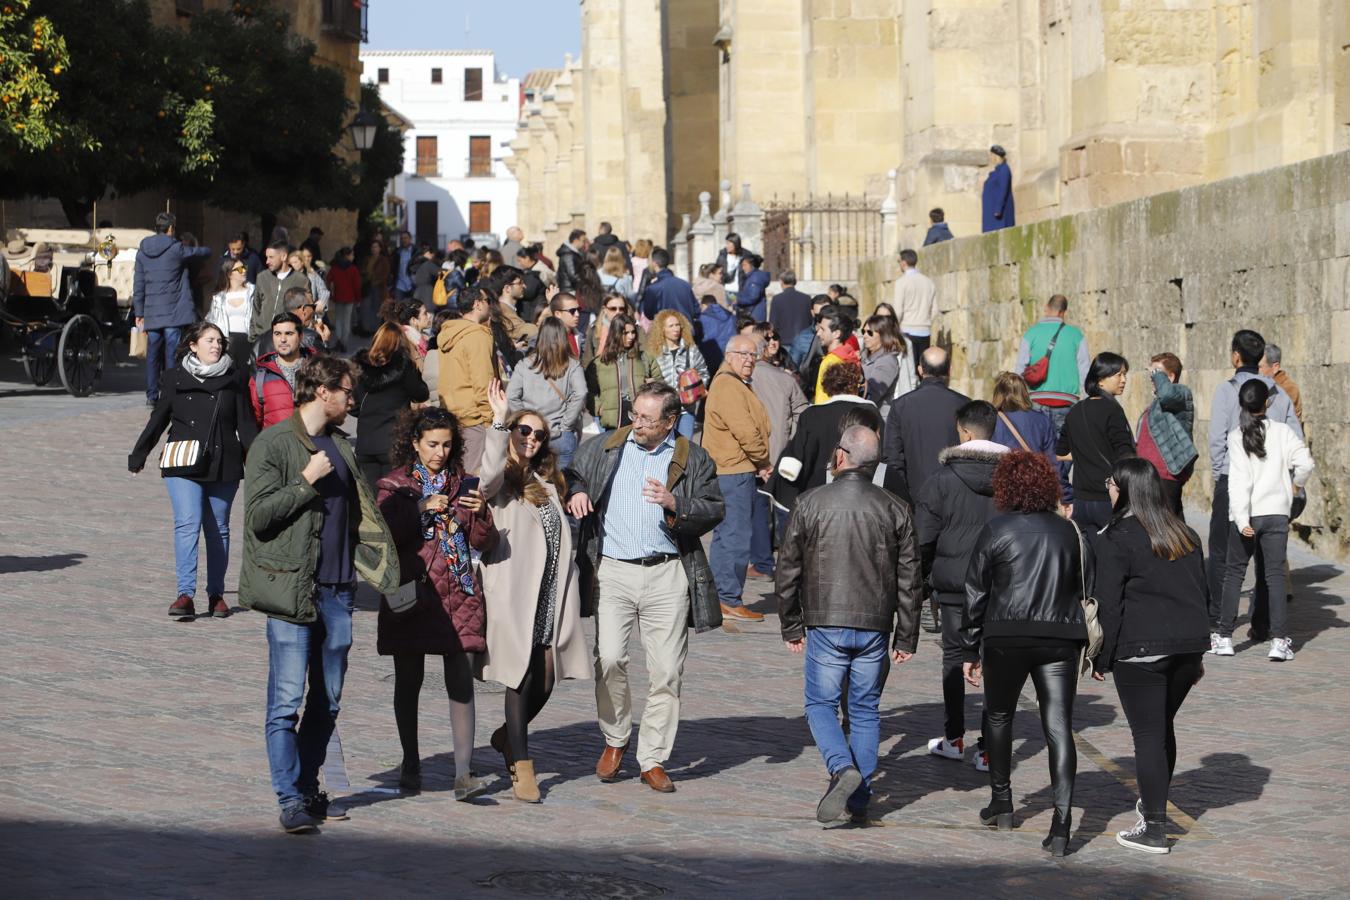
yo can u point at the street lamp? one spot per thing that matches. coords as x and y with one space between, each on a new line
362 129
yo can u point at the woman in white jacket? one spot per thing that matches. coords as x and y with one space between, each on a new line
1262 454
231 309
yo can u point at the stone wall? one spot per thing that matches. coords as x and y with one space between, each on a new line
1177 271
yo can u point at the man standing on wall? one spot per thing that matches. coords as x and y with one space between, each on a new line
998 193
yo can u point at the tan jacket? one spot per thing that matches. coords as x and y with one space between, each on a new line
915 300
1286 384
736 426
468 363
516 328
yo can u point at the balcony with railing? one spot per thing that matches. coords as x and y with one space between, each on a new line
345 19
461 167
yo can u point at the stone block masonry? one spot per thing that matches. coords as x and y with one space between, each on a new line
1178 271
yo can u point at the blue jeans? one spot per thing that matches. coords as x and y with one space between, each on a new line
833 655
730 551
564 445
684 425
761 535
161 346
318 650
201 508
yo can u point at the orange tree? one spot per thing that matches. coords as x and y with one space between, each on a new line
32 54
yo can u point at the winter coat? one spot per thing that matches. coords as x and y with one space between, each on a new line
559 400
212 411
937 233
1224 412
752 298
1034 427
468 364
602 244
1147 605
997 200
799 350
569 269
271 299
602 386
882 372
269 392
513 571
920 425
848 559
344 281
1265 487
1170 420
703 287
162 284
382 393
736 426
783 400
812 444
666 291
283 521
1025 580
950 512
699 507
681 359
718 325
445 618
790 313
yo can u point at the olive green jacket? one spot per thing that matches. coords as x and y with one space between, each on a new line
283 517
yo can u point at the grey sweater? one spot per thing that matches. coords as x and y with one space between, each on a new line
1224 413
560 401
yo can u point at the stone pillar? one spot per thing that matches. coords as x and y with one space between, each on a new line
807 245
679 249
890 207
723 214
703 241
748 221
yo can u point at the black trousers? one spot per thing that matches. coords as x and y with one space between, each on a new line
1218 565
1270 546
953 682
919 342
1054 672
1151 693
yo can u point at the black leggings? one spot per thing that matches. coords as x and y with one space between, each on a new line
1151 693
525 702
409 670
1054 672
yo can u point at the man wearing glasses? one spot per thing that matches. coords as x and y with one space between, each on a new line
310 524
645 496
565 308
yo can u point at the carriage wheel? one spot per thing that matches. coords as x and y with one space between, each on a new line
81 355
39 356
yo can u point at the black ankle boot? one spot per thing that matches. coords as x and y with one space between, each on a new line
999 812
1057 841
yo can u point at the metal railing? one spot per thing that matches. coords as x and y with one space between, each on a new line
822 238
462 167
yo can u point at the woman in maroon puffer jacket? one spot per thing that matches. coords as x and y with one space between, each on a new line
439 531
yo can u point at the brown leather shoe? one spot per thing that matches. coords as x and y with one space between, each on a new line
756 572
740 612
182 608
219 608
657 779
607 769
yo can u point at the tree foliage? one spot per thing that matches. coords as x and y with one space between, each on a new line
382 161
32 53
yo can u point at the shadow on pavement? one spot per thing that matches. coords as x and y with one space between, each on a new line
10 565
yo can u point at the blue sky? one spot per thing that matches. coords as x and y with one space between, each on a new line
525 34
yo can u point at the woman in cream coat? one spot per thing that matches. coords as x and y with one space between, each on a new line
530 585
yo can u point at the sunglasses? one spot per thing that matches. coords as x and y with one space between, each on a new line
616 309
570 309
869 332
239 269
525 431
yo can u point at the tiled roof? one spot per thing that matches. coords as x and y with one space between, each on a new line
365 53
539 79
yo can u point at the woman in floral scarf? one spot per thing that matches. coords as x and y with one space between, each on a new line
441 525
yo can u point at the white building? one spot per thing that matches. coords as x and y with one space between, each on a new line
464 115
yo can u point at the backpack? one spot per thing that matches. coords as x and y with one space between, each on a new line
440 295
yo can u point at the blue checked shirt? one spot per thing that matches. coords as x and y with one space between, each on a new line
634 527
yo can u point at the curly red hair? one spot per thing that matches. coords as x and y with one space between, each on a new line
1025 482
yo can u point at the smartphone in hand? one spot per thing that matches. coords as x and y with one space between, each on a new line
467 484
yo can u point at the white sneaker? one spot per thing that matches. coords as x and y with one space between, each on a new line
947 749
1224 647
1213 642
1281 650
981 760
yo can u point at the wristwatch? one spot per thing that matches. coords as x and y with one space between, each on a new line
500 426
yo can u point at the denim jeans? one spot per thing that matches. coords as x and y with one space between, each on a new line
161 346
835 656
201 508
761 535
684 425
730 551
319 650
564 445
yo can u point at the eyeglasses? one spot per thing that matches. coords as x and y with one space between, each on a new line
525 431
344 389
643 420
616 309
740 353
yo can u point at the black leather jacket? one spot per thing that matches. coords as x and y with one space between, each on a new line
849 559
569 269
1024 581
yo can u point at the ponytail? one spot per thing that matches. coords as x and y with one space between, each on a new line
1253 397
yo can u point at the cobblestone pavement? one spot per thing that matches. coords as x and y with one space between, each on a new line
132 761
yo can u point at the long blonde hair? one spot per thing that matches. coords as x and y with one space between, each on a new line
518 480
656 338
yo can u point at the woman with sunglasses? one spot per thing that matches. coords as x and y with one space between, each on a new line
231 309
887 361
598 331
774 353
613 377
671 344
551 384
534 634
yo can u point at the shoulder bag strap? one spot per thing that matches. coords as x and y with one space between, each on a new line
1054 339
1015 433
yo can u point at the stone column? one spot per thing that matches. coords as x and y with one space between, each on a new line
679 249
890 207
703 241
723 214
747 219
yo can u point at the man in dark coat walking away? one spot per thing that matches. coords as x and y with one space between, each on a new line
790 310
569 261
998 194
667 290
607 239
949 514
920 425
162 299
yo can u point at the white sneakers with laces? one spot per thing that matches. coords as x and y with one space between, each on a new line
954 749
1223 646
1281 650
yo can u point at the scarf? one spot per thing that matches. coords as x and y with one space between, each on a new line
201 371
442 526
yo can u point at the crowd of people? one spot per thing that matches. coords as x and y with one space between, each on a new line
543 440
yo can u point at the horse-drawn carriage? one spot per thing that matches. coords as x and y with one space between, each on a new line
66 296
